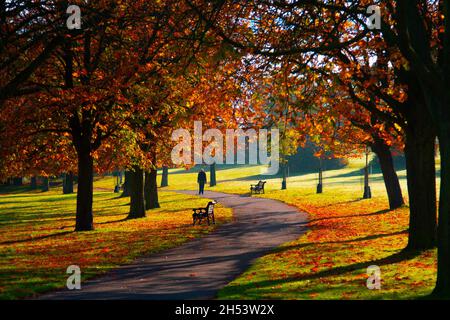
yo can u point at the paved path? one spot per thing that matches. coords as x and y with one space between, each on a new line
199 268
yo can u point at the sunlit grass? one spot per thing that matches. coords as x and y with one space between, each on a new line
37 242
346 235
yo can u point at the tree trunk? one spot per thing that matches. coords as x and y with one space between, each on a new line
33 182
443 234
421 173
212 175
85 192
45 184
126 185
151 190
18 181
165 177
68 183
136 186
391 182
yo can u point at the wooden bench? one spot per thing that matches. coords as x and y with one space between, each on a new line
204 213
257 188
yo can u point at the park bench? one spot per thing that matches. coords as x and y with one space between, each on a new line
204 213
257 188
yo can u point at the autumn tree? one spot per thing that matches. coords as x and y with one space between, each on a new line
414 35
30 32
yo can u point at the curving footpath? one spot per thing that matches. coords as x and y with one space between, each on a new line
199 268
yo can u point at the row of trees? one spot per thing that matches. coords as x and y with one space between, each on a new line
389 82
107 96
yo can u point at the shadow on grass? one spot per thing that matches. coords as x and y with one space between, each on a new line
117 197
113 221
6 190
342 202
367 238
36 238
338 271
380 212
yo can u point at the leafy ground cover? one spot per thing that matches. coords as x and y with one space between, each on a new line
37 242
346 235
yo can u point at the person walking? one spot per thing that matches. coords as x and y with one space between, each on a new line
201 180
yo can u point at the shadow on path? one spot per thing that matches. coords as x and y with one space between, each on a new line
199 268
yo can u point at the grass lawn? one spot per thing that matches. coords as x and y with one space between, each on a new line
37 242
346 235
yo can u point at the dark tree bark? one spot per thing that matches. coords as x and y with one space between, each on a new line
45 184
212 175
82 139
126 185
14 87
443 270
421 173
33 182
151 190
84 216
442 103
18 181
390 177
68 183
165 177
420 168
137 201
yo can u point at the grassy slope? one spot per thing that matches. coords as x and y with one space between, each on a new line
37 242
346 235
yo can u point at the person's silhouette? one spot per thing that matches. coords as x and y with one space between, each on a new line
201 180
